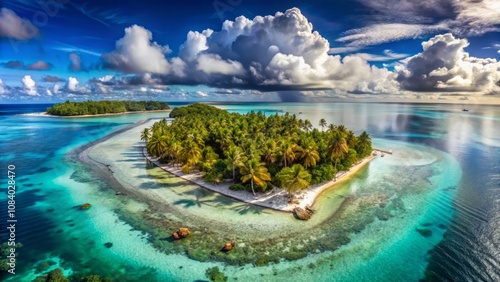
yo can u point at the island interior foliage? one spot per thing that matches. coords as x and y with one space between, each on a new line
104 107
255 150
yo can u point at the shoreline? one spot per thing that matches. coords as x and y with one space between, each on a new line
276 199
45 114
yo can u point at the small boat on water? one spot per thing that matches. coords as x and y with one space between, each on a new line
465 110
382 155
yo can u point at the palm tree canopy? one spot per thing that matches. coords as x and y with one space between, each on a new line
338 147
294 178
253 170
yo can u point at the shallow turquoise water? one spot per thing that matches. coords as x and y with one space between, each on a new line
462 149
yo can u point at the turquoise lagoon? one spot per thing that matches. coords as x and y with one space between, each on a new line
441 193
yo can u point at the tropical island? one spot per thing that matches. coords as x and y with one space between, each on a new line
92 108
253 152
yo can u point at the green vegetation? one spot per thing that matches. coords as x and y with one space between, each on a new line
215 275
57 275
4 252
104 107
255 150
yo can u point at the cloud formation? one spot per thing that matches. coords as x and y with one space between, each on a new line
416 19
72 84
13 65
12 26
387 32
29 86
75 62
39 65
445 66
3 88
51 78
137 53
273 52
388 55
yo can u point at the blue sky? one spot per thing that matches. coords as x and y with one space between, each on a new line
234 50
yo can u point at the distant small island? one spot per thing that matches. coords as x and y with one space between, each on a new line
92 108
255 152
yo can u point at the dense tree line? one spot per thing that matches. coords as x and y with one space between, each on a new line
254 149
104 107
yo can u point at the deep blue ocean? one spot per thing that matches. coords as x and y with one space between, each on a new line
49 225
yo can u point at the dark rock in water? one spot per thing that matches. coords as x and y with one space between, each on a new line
50 210
301 213
181 233
309 210
427 224
424 232
442 226
108 245
85 206
229 246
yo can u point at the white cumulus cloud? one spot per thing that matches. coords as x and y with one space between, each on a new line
443 65
29 86
137 53
72 84
3 88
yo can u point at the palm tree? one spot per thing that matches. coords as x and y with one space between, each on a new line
157 144
307 125
364 145
145 135
332 127
254 171
233 158
338 147
270 151
322 123
342 129
309 154
294 178
288 150
351 139
175 151
190 153
208 158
